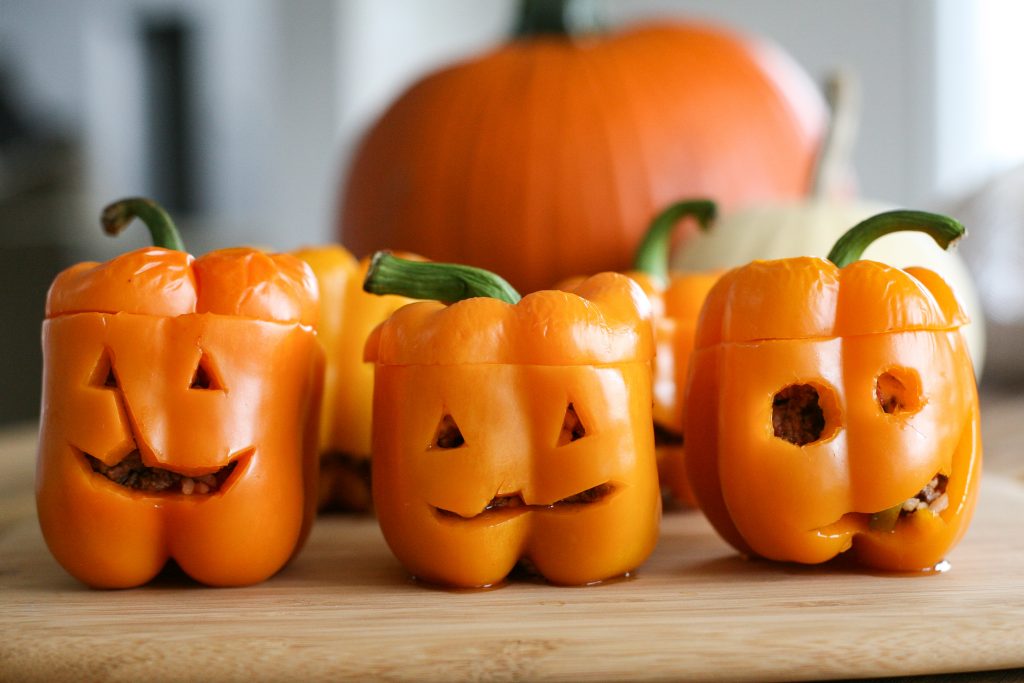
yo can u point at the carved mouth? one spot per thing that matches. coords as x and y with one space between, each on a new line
132 473
514 503
932 498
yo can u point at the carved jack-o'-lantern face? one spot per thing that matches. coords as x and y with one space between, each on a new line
834 408
178 418
506 433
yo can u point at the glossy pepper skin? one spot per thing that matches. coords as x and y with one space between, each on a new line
896 402
124 342
676 299
347 316
518 381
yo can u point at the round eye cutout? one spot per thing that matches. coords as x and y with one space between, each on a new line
898 391
804 413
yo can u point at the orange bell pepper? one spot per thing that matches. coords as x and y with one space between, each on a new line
676 300
179 412
831 407
347 316
508 430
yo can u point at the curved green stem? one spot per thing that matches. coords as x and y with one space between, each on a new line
447 282
117 216
850 247
653 254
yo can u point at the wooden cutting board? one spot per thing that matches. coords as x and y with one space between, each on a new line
345 610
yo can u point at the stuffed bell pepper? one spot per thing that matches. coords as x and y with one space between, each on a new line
831 407
179 412
508 430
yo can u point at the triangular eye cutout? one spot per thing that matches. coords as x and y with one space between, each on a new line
448 434
103 374
204 376
572 427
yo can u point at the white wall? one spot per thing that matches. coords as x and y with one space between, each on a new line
239 123
979 104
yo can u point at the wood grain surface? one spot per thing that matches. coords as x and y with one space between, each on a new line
345 610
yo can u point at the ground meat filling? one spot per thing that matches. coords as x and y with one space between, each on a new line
797 416
131 473
515 500
932 497
344 483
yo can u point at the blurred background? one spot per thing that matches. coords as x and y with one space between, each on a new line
240 117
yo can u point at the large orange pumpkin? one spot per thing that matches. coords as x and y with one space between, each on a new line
548 156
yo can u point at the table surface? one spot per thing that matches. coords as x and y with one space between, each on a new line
344 608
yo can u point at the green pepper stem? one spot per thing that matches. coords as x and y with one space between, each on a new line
447 282
886 519
653 255
117 216
850 247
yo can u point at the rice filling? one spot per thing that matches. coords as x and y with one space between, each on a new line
932 497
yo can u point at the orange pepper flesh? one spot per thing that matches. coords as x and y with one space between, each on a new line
152 314
347 316
676 308
506 375
774 324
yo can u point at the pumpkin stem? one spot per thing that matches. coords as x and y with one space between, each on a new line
653 254
117 216
556 18
447 282
850 247
842 93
